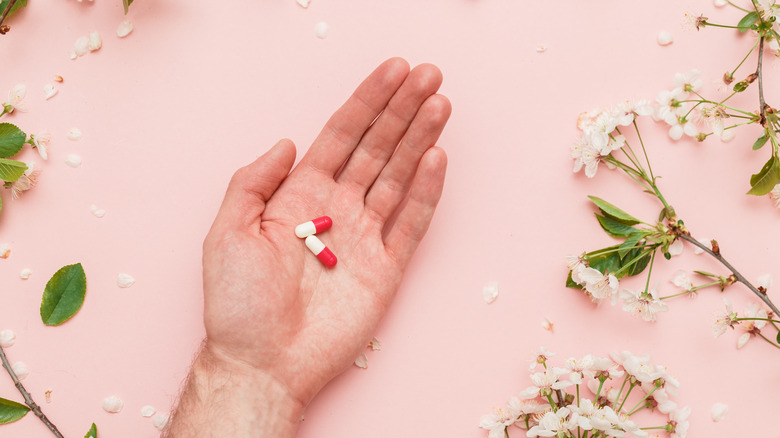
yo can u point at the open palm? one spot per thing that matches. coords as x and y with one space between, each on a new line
269 302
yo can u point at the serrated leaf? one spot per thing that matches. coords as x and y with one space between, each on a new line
616 213
64 294
92 432
760 142
629 244
11 411
17 5
11 170
11 140
764 181
126 4
615 228
747 21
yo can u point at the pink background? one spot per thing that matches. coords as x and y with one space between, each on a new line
201 88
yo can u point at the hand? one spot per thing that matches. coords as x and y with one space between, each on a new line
271 307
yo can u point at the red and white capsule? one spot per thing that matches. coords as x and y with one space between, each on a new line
313 226
322 252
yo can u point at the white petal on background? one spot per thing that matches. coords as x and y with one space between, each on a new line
664 38
541 48
25 273
720 3
375 345
113 404
490 292
304 3
160 421
321 29
548 325
764 281
21 371
97 212
148 411
124 280
124 29
742 340
95 42
676 248
82 46
7 338
73 160
719 411
49 91
362 361
5 250
74 134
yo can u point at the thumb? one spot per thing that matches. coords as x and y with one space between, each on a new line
253 185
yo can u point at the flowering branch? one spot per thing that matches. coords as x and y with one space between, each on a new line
27 397
6 28
740 278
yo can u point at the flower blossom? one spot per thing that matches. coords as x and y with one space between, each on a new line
497 422
41 142
25 182
599 286
774 195
678 422
544 383
643 304
751 327
689 82
681 280
553 424
724 320
15 97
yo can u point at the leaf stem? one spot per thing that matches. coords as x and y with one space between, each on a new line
737 274
4 29
27 397
693 289
767 339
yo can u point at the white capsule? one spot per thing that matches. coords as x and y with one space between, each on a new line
313 226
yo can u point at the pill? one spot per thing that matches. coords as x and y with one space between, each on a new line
321 251
313 226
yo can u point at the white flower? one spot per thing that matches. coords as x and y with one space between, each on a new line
604 419
644 305
775 195
581 414
41 141
681 280
544 383
25 182
719 411
676 248
678 421
599 286
576 265
576 367
714 117
542 355
768 9
15 97
680 125
664 404
603 366
751 327
524 409
497 422
689 82
724 320
641 368
669 103
552 423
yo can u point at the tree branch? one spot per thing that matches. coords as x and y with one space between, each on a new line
6 28
27 397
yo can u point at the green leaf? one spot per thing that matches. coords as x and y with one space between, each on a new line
92 432
741 86
778 337
760 142
615 228
616 213
609 262
571 283
11 140
747 21
127 4
11 411
11 170
642 257
764 181
629 244
19 4
64 294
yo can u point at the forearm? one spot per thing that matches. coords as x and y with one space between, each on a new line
223 399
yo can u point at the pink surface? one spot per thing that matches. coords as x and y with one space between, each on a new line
200 88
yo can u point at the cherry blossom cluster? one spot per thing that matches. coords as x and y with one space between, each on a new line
592 397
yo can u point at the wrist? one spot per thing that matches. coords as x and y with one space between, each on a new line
225 397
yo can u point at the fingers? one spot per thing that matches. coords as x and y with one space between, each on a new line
253 185
416 214
392 185
346 127
378 144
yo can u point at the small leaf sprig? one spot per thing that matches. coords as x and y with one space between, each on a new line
592 397
9 7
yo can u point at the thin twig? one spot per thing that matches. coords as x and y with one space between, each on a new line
759 72
7 10
27 397
733 270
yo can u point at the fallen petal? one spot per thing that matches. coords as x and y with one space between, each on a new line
5 250
547 325
124 280
124 29
82 46
160 421
664 38
375 345
113 404
362 361
304 3
49 91
321 29
74 134
148 411
541 49
95 42
490 292
21 371
25 274
73 160
719 411
97 212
